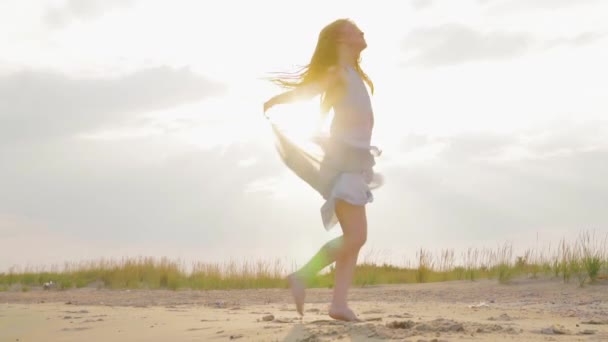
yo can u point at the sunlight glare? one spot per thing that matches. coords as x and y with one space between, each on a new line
300 120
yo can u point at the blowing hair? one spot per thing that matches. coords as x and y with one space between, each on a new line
324 57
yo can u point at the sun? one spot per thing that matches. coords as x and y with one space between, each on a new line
300 120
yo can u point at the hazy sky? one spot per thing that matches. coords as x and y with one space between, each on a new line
135 128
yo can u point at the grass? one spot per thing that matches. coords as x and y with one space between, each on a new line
591 253
504 268
586 259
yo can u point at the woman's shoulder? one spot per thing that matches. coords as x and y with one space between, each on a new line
336 74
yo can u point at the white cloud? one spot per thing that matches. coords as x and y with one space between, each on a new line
476 189
71 10
37 105
576 40
515 5
456 43
248 162
421 4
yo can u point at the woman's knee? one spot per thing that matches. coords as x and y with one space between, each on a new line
355 236
356 241
353 221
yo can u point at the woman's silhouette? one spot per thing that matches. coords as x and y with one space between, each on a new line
343 173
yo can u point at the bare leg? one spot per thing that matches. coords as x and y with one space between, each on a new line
297 286
353 221
344 250
325 256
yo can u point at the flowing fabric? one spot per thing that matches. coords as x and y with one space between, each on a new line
338 165
329 167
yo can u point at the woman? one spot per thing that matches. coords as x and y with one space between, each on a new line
343 173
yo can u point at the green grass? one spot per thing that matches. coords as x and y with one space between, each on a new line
592 254
586 259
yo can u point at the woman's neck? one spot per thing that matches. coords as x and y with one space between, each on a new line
346 57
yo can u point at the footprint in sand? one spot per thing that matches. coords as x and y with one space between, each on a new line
502 317
442 325
197 329
76 311
556 329
283 320
92 320
372 319
405 315
595 322
76 329
374 311
268 318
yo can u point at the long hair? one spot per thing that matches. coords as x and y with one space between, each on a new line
324 57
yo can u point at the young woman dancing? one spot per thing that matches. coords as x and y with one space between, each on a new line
343 173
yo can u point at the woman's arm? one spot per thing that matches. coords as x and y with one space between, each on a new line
306 91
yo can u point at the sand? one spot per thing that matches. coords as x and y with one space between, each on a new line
525 310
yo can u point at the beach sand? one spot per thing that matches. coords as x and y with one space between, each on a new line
483 310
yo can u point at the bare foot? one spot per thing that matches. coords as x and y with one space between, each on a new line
297 291
343 314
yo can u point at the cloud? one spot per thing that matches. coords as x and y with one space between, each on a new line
61 16
118 196
144 193
475 146
421 4
456 43
578 40
453 43
126 192
506 6
480 186
38 105
536 143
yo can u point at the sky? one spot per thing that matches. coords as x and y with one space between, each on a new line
135 128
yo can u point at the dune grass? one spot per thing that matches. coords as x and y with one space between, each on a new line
586 259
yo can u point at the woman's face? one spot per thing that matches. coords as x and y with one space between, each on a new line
353 37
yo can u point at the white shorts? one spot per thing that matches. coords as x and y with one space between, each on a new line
354 188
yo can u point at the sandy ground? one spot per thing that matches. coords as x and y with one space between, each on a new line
526 310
